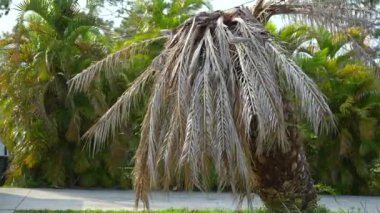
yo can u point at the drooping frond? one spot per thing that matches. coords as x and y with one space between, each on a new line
83 80
141 169
366 57
312 101
109 124
217 99
256 71
335 14
339 14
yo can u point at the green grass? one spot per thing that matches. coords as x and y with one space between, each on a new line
100 211
161 211
319 210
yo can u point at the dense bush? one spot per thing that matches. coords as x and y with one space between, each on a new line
347 159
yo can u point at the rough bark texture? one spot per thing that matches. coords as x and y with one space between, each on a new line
284 181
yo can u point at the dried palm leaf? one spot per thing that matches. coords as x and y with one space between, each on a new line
82 81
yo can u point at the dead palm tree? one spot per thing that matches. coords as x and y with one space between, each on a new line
226 97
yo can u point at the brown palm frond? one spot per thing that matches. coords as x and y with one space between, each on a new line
112 120
365 56
312 102
222 72
141 169
83 80
335 14
256 69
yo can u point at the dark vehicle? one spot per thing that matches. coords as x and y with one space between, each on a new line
3 163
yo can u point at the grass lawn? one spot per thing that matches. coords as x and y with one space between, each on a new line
320 210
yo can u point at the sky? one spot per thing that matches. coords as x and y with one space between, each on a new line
8 22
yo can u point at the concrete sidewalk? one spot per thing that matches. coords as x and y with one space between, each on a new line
63 199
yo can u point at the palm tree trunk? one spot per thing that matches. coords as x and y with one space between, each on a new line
284 181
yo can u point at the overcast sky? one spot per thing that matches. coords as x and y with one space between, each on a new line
7 22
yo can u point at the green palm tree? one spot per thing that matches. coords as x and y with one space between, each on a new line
223 98
147 15
342 160
4 7
52 42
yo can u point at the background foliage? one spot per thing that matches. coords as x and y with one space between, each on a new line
41 124
345 161
4 7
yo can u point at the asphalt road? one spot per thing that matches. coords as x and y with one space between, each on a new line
64 199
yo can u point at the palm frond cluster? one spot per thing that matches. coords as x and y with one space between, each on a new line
332 14
342 14
83 81
218 93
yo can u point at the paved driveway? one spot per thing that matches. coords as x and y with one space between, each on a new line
63 199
